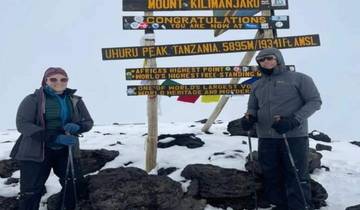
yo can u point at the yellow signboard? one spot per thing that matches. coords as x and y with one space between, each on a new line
178 90
209 47
158 5
204 72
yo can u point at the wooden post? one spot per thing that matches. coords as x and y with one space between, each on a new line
152 108
245 61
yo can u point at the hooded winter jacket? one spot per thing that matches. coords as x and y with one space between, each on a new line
284 93
31 124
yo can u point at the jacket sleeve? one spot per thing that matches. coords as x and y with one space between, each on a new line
253 105
86 122
311 98
26 117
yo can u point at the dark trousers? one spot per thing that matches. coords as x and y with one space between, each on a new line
280 184
33 176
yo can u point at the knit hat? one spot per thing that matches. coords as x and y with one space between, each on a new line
52 71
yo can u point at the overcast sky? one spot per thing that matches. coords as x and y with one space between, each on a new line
38 34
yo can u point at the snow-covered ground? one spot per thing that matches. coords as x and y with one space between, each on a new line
341 182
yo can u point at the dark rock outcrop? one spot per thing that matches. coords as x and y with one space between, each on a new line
221 187
319 136
235 129
7 167
314 162
319 194
321 147
357 207
233 188
357 143
215 181
94 160
132 188
188 140
8 203
166 171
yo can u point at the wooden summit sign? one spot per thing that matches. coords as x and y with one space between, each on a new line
158 5
205 22
204 72
209 47
178 90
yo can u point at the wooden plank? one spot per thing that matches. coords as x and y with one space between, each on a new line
205 22
203 48
152 109
179 90
201 72
166 5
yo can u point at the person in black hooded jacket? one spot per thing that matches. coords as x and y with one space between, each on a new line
49 120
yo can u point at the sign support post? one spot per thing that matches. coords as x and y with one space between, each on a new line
152 107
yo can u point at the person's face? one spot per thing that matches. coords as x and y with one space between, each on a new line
268 62
57 82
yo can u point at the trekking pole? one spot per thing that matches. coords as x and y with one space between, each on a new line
252 170
295 171
65 184
70 166
73 173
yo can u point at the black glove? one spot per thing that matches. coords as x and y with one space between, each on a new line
247 122
285 124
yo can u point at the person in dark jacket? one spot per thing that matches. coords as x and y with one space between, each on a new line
49 120
280 103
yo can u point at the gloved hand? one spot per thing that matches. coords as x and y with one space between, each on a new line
284 124
248 121
71 128
67 140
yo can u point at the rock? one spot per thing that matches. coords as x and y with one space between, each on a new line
166 171
8 203
321 147
357 143
128 163
319 194
132 188
216 182
188 140
357 207
235 129
11 180
203 121
117 143
319 136
314 162
3 142
7 167
221 187
325 167
227 155
94 160
189 203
